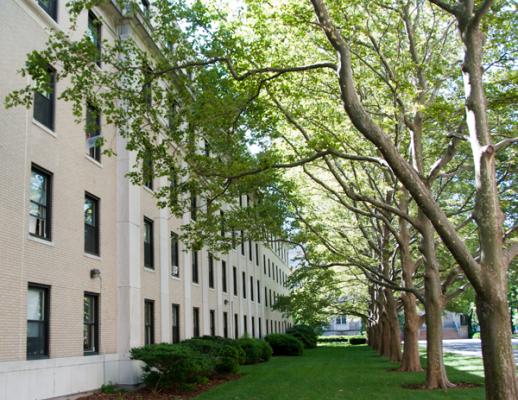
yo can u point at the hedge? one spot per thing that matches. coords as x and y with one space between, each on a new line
305 334
256 350
285 345
357 340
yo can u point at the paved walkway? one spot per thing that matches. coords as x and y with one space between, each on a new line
468 347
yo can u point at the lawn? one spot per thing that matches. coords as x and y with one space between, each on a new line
342 372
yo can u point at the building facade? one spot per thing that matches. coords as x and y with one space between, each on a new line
89 265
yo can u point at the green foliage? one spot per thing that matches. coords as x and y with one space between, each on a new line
252 349
305 334
357 340
167 365
224 354
285 345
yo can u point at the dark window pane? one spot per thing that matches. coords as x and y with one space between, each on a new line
175 255
37 321
90 324
149 322
196 322
44 102
50 7
39 212
93 132
195 269
148 244
94 31
91 217
176 323
211 271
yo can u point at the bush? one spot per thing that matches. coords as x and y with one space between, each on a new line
266 349
333 339
357 340
170 364
285 345
224 354
229 342
252 348
305 334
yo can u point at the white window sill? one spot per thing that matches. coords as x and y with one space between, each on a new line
176 278
92 256
44 128
93 161
195 284
41 241
152 192
149 269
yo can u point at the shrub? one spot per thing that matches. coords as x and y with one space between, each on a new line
170 364
229 342
333 339
357 340
285 345
266 353
305 334
224 354
252 348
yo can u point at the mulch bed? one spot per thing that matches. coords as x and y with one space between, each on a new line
458 385
145 394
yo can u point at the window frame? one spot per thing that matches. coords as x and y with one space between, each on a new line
40 99
212 322
243 281
175 329
48 206
234 276
149 325
195 267
211 271
224 276
96 229
175 255
195 322
94 324
225 324
95 23
51 12
149 262
45 322
94 152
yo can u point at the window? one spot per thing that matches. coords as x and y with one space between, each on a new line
266 297
196 322
91 215
258 291
194 206
211 271
44 102
252 288
144 4
260 328
40 203
234 276
341 320
212 323
242 243
50 7
91 324
250 250
195 275
148 244
173 187
243 281
225 324
264 264
245 325
37 321
176 323
271 326
93 132
224 276
149 322
269 270
147 90
271 304
175 255
253 326
94 30
222 223
256 254
148 169
236 326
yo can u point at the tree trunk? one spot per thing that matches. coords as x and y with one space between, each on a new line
435 372
393 350
410 361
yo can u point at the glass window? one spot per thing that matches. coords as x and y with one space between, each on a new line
37 321
44 101
148 169
212 323
245 325
211 271
195 269
260 328
196 322
194 206
176 323
243 281
258 291
148 244
252 288
149 322
40 203
91 216
173 187
91 324
93 132
256 254
94 31
253 326
224 276
225 324
175 255
50 7
236 326
234 276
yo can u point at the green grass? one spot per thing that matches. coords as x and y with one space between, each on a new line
342 372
